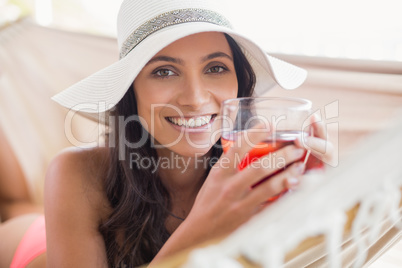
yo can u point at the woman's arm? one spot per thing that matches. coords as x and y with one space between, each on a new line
74 207
227 200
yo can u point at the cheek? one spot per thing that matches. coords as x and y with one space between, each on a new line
228 90
152 93
150 114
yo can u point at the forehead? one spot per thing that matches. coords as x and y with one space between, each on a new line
199 43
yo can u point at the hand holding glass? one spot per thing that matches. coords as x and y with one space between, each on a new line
285 118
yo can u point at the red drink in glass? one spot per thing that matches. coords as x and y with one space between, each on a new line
287 118
277 141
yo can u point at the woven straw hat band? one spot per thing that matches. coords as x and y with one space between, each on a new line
138 19
168 19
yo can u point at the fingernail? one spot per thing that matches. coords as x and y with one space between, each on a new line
299 168
293 181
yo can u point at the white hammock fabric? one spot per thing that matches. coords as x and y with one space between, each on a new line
35 64
357 98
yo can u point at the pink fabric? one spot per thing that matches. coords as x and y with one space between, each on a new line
32 244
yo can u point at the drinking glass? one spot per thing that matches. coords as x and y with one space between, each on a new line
286 119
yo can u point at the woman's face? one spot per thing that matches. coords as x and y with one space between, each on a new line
180 90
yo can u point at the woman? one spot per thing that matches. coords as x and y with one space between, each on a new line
162 184
22 228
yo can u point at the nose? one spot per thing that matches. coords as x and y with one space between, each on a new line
193 94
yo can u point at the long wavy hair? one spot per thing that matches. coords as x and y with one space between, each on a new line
135 230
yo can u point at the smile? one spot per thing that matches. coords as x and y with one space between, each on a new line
192 122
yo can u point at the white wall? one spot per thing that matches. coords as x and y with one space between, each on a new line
343 28
368 29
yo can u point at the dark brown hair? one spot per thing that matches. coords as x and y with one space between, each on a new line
135 230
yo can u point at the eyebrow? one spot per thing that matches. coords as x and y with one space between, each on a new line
216 55
181 62
165 58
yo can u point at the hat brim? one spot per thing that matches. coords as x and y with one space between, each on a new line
102 90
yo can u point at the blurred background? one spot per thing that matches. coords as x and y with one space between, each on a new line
356 29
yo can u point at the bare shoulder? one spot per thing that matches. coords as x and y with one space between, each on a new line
75 206
78 171
85 161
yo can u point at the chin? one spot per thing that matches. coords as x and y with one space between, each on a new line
191 151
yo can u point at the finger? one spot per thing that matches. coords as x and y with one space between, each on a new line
270 164
318 127
292 182
322 149
287 179
316 145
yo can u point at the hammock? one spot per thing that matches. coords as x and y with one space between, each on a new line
35 64
355 98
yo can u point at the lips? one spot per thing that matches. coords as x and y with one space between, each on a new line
193 122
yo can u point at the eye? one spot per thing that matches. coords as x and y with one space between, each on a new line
163 73
216 69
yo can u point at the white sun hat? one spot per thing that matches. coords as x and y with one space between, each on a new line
147 26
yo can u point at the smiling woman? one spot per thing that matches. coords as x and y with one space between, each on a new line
138 199
197 76
124 203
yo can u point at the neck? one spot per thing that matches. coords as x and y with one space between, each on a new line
183 178
182 175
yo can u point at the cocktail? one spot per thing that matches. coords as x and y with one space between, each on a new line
286 119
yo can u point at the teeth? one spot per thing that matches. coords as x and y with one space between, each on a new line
192 122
